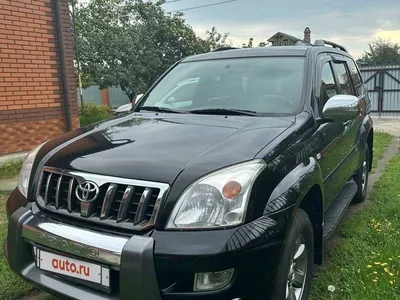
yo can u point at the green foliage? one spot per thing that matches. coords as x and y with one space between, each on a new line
93 113
382 52
213 40
87 120
130 43
250 44
10 168
90 109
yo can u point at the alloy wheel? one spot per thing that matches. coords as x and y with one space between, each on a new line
298 271
364 175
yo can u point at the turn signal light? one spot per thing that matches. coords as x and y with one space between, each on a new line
232 189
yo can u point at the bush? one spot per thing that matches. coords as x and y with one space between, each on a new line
87 120
93 113
93 109
10 168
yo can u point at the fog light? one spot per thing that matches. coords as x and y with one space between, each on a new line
212 281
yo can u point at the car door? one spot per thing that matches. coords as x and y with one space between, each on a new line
352 127
335 135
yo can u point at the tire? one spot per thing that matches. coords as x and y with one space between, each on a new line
361 178
300 233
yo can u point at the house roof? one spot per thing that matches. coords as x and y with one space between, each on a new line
279 34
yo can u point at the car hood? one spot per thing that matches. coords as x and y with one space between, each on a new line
158 147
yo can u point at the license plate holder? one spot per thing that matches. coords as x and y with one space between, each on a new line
73 268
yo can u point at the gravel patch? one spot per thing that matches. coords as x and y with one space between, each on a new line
389 125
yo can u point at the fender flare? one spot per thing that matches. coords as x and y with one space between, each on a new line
291 193
294 186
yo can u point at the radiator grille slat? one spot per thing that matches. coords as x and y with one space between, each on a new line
86 209
57 200
126 199
107 203
46 195
141 210
130 204
69 196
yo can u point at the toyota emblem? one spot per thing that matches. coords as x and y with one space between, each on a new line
87 191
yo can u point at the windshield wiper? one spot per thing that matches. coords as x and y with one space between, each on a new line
160 109
224 111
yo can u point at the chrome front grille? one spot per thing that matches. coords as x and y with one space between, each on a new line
126 203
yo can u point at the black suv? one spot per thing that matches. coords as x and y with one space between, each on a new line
222 183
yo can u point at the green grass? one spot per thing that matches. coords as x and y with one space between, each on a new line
10 168
381 142
365 264
11 286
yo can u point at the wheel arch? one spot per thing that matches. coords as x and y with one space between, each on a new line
302 188
312 203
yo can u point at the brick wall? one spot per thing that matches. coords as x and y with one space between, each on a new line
105 97
31 90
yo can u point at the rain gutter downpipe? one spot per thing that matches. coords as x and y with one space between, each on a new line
63 68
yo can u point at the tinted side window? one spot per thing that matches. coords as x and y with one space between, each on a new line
328 86
344 78
355 76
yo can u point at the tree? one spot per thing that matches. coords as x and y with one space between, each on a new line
263 44
249 43
213 40
129 43
382 52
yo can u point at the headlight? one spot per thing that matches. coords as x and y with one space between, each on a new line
26 169
216 200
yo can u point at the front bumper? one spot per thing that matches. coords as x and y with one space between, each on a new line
137 273
161 266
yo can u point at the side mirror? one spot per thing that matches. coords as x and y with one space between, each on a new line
341 108
138 97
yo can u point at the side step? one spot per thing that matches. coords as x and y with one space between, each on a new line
337 209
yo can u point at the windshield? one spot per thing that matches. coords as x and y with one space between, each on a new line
261 84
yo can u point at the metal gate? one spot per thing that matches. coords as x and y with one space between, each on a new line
117 97
383 83
90 94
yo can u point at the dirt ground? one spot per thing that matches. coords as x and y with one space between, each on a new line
389 125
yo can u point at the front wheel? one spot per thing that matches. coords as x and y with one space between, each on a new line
294 274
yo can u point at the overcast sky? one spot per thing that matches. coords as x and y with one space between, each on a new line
352 23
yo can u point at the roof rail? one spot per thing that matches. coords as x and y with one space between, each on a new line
334 45
224 49
302 43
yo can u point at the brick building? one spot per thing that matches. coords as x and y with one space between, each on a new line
284 39
37 84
